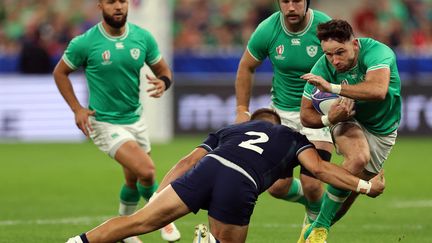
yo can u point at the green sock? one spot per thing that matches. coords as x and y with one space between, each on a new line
129 198
147 191
313 209
295 193
332 201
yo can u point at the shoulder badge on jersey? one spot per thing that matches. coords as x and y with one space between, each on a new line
135 53
312 50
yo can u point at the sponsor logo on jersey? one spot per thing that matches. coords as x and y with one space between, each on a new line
280 50
106 55
119 45
295 42
312 50
345 81
135 53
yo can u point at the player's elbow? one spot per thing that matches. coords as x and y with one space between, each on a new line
318 172
378 95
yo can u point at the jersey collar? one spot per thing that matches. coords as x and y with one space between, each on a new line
113 38
301 32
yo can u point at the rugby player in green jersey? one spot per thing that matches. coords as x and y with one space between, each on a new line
112 54
364 125
288 38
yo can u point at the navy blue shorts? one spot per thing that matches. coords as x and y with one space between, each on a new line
228 195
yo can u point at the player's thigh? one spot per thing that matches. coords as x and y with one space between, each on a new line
281 187
351 142
109 137
228 232
141 133
195 186
133 157
233 197
380 148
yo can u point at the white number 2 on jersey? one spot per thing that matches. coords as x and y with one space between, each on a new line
250 144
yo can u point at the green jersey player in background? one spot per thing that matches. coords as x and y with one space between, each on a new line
364 125
288 38
112 54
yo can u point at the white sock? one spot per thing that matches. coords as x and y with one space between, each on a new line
76 239
126 209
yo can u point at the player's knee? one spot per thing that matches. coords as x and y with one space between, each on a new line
147 174
279 190
355 164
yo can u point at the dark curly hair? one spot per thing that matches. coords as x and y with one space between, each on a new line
336 29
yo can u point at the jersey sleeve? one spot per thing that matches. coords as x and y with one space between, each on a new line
259 41
75 54
153 55
210 143
320 69
302 143
381 57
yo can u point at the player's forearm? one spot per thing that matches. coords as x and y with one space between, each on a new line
363 91
65 87
243 87
309 117
338 177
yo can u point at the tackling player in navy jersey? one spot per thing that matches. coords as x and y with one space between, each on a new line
232 167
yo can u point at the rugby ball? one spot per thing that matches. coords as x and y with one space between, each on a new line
322 101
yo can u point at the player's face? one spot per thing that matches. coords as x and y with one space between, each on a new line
114 12
293 11
343 56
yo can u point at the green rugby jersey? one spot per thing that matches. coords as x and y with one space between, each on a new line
291 55
378 117
112 67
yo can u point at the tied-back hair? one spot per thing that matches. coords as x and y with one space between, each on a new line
267 115
335 29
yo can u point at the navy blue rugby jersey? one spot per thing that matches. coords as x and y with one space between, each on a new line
267 152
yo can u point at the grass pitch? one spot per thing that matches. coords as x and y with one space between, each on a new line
50 192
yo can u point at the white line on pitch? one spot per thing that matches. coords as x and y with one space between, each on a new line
412 204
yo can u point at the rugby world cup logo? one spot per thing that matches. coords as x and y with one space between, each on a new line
280 50
106 55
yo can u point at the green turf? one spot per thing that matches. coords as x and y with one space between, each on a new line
50 192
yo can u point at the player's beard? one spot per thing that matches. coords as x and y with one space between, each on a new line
114 23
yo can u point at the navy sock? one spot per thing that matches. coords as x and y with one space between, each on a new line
84 238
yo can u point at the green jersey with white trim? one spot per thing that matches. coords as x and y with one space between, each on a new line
112 67
291 55
378 117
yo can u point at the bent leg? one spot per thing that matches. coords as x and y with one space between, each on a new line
137 163
366 175
165 208
352 144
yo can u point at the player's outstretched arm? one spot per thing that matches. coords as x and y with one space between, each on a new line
182 166
338 176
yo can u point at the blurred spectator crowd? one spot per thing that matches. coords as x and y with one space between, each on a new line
37 31
405 25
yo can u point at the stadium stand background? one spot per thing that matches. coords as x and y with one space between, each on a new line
209 37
